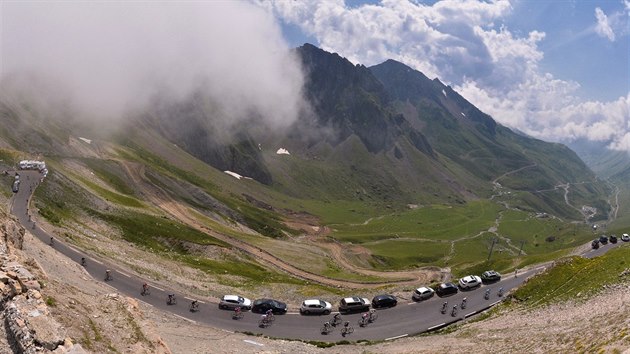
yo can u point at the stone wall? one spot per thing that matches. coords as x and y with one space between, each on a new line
28 325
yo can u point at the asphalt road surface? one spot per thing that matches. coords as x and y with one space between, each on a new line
408 318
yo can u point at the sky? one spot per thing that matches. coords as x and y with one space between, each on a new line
557 70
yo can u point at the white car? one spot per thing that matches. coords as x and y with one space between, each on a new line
422 293
625 237
234 301
317 306
469 282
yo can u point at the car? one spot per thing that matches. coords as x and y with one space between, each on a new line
446 289
625 238
354 303
603 239
490 276
469 282
423 293
595 244
263 305
384 300
612 239
234 301
315 306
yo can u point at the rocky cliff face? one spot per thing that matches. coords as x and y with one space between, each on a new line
27 321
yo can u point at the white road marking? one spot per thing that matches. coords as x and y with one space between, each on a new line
184 318
470 314
400 336
144 302
97 261
494 303
123 273
156 287
252 342
436 326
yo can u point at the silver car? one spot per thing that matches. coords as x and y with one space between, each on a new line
315 306
423 293
234 301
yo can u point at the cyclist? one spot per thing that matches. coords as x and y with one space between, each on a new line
264 319
269 314
171 299
327 327
500 291
454 311
373 315
444 307
464 300
145 289
336 319
487 294
108 275
194 305
52 241
237 312
365 317
83 261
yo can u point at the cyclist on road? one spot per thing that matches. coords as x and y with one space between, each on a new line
487 294
464 301
83 261
237 312
108 275
500 292
171 299
337 318
454 311
194 305
444 305
145 289
327 327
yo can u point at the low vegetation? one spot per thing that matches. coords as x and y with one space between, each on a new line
576 278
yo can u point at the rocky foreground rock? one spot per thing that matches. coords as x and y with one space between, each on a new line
27 320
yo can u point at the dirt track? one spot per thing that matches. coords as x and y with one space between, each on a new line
161 199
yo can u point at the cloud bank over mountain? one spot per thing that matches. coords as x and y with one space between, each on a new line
114 56
463 44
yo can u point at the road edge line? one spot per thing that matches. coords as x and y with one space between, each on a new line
397 337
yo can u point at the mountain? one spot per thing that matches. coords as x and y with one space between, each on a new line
384 134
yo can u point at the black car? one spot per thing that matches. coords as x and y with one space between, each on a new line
612 239
384 300
490 276
595 244
446 289
603 239
262 305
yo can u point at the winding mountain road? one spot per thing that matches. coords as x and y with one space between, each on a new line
408 318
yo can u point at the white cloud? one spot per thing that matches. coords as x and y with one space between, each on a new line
464 44
111 55
603 28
